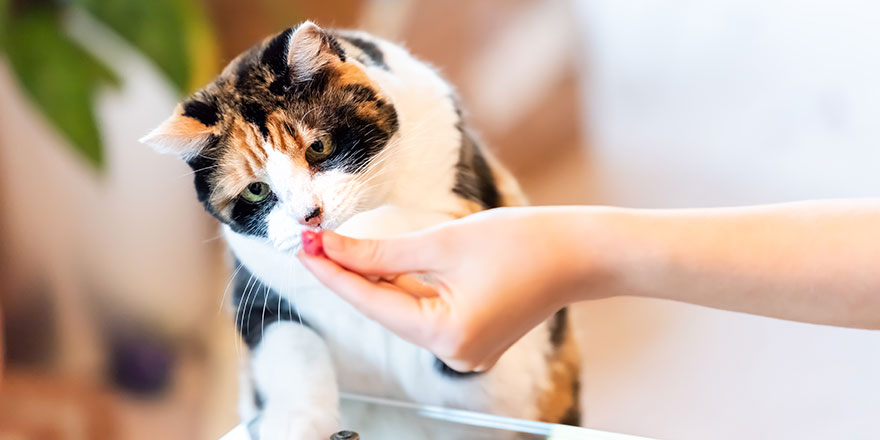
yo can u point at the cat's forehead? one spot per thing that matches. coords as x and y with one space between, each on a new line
260 86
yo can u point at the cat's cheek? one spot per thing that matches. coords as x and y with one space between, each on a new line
283 230
345 195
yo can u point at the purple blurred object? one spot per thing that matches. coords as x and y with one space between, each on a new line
140 363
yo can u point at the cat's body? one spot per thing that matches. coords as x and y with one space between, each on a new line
340 130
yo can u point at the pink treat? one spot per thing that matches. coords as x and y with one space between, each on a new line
312 244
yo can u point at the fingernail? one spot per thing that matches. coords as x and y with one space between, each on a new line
313 244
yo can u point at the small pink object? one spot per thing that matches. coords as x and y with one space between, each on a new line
312 243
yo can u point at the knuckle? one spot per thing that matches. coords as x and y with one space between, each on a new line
466 365
455 344
435 334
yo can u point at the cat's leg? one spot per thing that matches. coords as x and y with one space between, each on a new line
295 384
290 379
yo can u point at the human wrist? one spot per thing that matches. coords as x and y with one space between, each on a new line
585 262
608 251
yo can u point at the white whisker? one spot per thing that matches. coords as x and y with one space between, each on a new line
228 285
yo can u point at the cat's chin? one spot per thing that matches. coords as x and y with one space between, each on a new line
288 245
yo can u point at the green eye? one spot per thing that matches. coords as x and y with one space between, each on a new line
319 150
256 192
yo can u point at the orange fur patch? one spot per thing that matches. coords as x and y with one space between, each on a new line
559 395
185 127
282 135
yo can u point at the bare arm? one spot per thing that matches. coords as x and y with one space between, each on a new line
499 273
816 262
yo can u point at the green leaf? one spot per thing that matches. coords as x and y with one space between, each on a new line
62 78
4 18
173 33
59 76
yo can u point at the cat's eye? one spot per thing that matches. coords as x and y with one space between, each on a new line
256 192
319 149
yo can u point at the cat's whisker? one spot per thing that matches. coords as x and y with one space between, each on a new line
228 285
192 172
287 283
247 309
216 237
263 319
240 308
294 295
255 290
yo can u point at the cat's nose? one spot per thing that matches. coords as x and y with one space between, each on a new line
313 218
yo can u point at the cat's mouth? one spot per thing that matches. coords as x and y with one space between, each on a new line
292 243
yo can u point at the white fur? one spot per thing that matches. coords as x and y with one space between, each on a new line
408 189
306 47
292 369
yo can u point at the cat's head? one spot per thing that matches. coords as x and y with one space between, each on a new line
285 136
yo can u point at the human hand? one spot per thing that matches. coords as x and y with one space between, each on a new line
468 289
465 290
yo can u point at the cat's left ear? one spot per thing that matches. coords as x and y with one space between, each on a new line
182 134
311 49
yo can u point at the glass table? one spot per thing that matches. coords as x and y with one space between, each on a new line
429 422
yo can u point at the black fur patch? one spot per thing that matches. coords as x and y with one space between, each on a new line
254 113
204 168
250 218
315 85
257 307
573 414
371 50
204 112
356 141
473 178
449 372
280 85
259 401
559 327
572 417
275 54
334 46
362 93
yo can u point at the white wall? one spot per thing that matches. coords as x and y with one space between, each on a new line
728 102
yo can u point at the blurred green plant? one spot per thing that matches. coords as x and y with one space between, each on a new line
62 78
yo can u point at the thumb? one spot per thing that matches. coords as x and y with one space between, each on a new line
408 253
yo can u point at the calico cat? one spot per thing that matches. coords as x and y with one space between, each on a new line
328 129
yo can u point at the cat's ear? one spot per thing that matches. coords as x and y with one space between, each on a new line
310 50
181 134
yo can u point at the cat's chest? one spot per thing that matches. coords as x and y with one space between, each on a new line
368 358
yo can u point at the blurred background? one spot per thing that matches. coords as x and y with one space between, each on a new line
111 274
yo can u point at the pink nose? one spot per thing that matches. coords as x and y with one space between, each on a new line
312 219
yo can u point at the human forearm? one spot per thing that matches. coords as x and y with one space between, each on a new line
817 261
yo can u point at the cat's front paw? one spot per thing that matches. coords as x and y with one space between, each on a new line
296 425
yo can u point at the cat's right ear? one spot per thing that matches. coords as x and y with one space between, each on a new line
182 134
